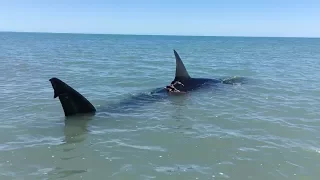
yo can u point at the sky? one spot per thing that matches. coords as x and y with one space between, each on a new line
276 18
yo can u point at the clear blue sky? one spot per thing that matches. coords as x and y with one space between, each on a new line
176 17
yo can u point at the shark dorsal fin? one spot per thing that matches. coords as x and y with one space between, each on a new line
181 71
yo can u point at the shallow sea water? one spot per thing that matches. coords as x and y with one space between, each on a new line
265 129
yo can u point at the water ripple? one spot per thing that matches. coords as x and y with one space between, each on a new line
265 129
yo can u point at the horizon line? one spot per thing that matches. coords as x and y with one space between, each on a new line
182 35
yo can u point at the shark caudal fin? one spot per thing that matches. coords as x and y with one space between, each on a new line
72 101
181 71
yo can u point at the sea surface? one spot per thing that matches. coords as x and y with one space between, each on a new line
267 128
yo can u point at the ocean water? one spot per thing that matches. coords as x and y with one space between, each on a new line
265 129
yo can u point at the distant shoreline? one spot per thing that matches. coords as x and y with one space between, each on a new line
173 35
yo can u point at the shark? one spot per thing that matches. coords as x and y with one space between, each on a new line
74 103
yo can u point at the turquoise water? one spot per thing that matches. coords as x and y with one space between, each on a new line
266 129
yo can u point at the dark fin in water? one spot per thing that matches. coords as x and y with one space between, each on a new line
181 71
72 101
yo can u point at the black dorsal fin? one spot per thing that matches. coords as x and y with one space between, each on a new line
181 71
72 101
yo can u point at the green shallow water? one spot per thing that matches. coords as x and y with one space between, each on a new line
265 129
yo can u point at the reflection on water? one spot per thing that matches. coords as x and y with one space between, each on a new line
75 132
76 129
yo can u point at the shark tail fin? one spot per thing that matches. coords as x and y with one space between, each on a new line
72 101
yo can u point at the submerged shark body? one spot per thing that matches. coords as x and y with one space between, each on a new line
74 103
